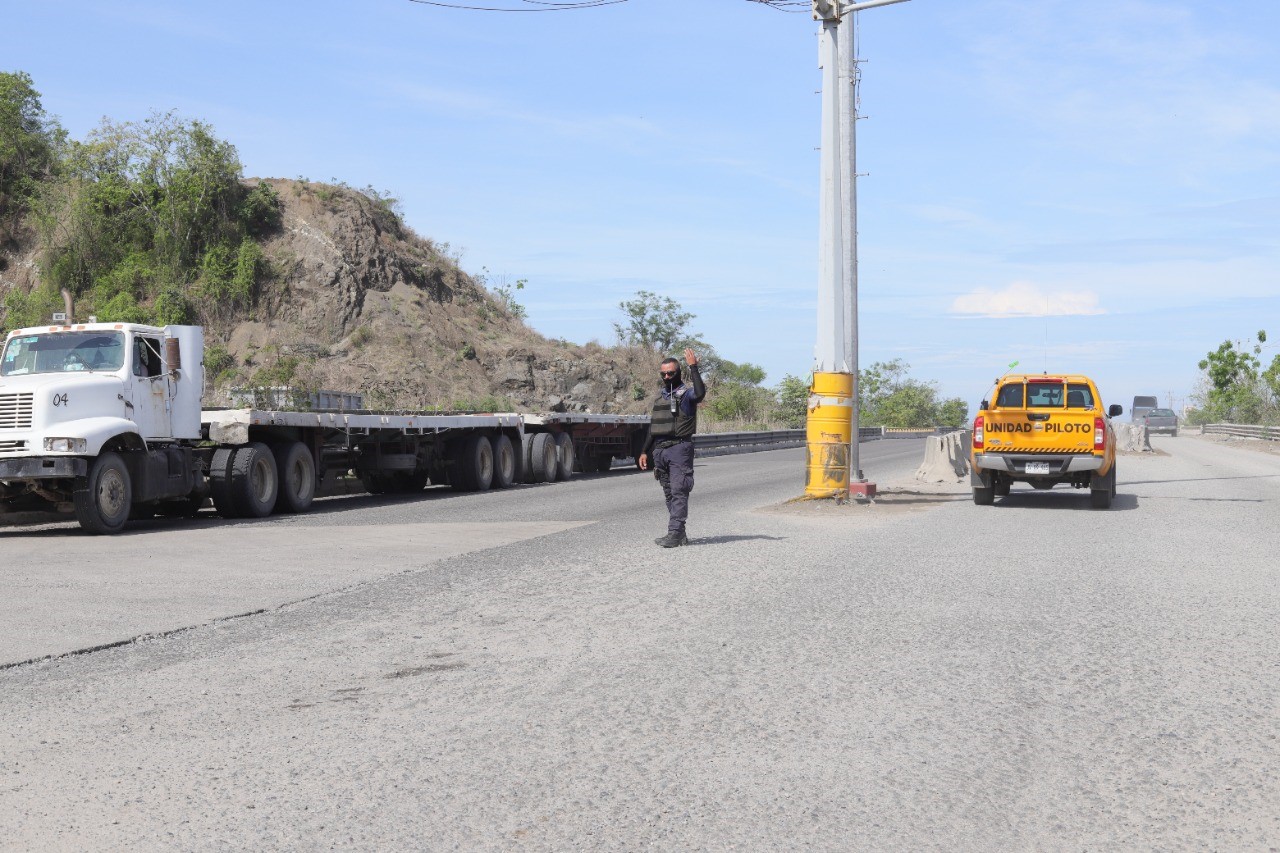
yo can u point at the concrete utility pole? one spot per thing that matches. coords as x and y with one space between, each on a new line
832 428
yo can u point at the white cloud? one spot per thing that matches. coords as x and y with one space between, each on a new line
1023 299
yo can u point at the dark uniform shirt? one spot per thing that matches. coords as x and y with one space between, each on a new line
665 425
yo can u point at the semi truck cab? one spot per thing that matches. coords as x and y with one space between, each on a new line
72 393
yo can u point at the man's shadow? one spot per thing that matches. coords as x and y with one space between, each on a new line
720 540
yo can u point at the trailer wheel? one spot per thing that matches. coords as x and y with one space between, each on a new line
542 458
297 470
103 505
474 466
255 481
564 454
220 482
504 462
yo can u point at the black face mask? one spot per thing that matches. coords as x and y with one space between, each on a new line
672 382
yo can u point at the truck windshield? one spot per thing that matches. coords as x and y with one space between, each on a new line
62 352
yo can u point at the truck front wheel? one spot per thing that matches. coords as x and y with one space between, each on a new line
103 506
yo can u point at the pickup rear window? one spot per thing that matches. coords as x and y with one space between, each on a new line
1045 395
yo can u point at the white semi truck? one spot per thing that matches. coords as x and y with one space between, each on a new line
105 420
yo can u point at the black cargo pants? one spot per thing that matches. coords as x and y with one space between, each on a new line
673 466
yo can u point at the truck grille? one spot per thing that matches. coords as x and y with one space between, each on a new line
15 411
12 446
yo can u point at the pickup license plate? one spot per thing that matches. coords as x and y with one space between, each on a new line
1037 467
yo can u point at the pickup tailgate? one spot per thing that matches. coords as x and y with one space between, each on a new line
1039 431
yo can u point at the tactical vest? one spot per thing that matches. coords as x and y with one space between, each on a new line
664 425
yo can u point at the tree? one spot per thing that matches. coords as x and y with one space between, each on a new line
913 404
888 396
150 221
734 392
29 140
1233 389
1229 367
792 394
953 412
655 322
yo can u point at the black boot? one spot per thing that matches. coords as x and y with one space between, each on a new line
672 540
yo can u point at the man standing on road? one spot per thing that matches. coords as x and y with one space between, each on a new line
672 424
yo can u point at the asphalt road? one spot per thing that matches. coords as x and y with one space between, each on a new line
922 673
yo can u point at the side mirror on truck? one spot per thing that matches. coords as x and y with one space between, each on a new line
1115 411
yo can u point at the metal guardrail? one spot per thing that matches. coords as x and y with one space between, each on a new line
715 440
1269 433
796 437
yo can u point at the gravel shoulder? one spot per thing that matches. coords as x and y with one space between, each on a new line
1030 675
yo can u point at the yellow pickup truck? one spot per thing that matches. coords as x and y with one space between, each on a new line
1044 430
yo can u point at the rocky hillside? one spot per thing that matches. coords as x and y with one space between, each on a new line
354 301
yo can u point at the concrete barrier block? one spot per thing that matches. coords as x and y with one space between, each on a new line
944 461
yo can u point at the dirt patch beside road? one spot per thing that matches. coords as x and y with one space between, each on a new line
892 500
1258 445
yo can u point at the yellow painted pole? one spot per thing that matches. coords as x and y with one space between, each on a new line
828 430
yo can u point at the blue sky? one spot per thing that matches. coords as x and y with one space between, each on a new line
1087 186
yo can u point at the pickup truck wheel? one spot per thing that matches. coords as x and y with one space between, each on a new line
564 456
255 481
1103 490
103 506
984 497
504 462
297 471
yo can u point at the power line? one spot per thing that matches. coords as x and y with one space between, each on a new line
530 5
791 6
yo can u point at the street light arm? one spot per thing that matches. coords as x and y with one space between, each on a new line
831 10
868 4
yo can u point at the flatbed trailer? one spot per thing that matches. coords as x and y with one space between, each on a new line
103 421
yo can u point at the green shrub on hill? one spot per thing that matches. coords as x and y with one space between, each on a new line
145 221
